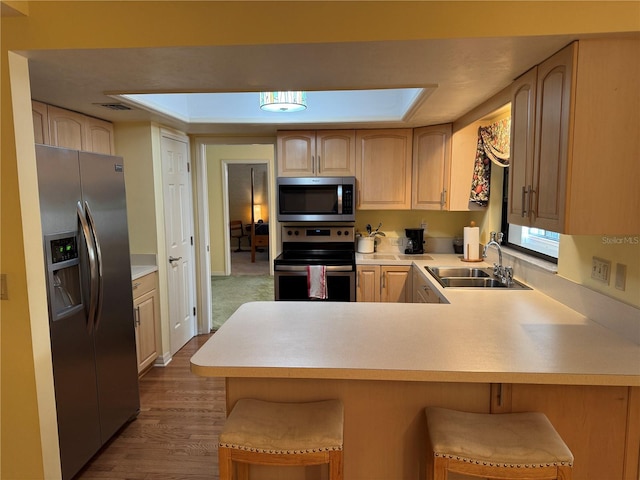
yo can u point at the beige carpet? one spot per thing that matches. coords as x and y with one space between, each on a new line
229 293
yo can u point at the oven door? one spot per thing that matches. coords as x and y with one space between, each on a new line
292 285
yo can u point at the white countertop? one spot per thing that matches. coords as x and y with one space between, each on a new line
138 271
483 335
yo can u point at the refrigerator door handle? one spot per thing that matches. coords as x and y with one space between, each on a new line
93 267
98 257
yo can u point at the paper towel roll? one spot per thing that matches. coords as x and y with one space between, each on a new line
471 243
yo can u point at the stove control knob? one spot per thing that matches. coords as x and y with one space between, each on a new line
289 232
346 233
339 232
296 233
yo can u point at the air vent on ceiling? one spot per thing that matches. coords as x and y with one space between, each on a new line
115 106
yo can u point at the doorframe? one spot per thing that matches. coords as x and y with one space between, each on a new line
203 249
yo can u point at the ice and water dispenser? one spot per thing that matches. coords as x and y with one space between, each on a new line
63 271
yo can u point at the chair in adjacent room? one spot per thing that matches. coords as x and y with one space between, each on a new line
505 446
282 434
236 229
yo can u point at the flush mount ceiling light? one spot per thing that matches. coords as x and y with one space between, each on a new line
283 101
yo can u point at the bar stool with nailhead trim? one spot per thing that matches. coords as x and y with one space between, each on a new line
278 434
497 446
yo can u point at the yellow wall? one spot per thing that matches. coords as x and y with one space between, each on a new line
575 257
27 440
133 141
440 224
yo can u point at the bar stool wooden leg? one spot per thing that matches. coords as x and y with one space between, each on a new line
225 464
336 465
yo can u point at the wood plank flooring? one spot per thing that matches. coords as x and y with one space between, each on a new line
176 433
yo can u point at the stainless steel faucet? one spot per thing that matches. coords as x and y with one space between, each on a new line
505 274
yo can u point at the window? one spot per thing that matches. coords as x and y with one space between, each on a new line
534 241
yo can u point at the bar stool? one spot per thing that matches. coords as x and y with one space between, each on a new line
497 446
278 434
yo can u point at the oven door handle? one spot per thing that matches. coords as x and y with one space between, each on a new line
303 268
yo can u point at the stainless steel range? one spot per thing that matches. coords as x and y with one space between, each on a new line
303 245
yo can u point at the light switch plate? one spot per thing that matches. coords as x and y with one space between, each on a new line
600 269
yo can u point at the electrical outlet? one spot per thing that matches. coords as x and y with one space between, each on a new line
600 269
621 276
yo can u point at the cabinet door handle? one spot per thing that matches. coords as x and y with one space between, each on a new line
384 280
532 202
136 316
524 196
318 162
136 285
443 198
313 164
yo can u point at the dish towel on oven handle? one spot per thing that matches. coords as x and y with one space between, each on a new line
317 281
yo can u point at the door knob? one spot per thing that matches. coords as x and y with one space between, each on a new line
173 259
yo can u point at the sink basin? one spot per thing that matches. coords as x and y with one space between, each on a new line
459 272
472 282
470 277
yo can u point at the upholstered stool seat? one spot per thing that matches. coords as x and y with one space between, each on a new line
501 446
271 433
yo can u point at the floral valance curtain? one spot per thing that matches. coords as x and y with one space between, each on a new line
493 146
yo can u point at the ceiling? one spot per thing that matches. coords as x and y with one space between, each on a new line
457 75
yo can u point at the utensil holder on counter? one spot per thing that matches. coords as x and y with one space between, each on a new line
366 244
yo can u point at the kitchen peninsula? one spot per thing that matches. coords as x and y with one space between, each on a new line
485 351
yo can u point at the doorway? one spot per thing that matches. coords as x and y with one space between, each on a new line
247 201
214 155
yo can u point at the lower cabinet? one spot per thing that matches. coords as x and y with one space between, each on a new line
422 291
592 421
145 310
384 283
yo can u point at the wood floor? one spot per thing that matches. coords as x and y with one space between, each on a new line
175 436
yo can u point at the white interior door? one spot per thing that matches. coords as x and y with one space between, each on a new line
178 219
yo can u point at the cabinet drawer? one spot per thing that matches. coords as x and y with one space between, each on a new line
143 284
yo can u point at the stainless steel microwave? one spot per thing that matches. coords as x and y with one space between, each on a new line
316 199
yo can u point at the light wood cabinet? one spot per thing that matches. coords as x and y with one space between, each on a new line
64 128
431 168
145 306
327 153
368 283
384 283
422 291
99 136
383 169
591 420
574 142
40 122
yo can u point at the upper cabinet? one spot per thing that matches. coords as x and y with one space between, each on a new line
574 142
40 122
383 169
431 168
68 129
327 153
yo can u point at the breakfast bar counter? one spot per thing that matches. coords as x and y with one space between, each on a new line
496 351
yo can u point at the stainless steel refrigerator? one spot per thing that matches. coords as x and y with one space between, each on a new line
86 246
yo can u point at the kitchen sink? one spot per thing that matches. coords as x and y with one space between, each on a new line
469 277
459 272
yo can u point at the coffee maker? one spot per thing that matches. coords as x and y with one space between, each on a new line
415 244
